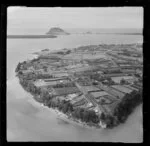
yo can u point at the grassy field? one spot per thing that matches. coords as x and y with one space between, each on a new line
122 88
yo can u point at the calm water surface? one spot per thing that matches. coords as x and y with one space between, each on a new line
28 121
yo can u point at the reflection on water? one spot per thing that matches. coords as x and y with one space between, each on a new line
29 121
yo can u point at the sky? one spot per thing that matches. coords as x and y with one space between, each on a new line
86 17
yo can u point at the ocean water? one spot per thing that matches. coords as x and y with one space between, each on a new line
28 121
20 30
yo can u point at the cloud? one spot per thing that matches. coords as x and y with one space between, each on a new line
118 17
12 9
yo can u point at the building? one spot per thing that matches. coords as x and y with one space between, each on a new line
60 74
72 96
117 79
122 88
80 103
41 82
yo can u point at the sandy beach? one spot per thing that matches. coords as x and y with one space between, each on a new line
60 115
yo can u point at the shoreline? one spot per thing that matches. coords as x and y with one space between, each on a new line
60 115
64 117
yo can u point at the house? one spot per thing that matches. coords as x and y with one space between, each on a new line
81 102
46 82
103 125
76 99
60 98
89 105
71 96
96 110
105 100
117 79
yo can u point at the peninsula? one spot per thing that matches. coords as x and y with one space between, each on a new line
95 85
30 36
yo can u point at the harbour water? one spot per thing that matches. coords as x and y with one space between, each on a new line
28 121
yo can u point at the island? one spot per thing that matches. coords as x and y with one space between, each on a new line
88 32
97 86
57 31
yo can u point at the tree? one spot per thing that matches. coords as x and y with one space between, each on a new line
45 68
126 106
67 107
86 115
45 96
122 81
102 116
95 83
20 73
18 67
110 81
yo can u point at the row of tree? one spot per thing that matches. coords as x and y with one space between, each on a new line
82 114
64 106
127 105
64 53
123 109
19 66
34 76
85 115
61 85
29 86
121 112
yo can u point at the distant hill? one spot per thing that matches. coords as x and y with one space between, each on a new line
57 31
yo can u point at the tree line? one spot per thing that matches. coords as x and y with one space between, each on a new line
120 114
123 109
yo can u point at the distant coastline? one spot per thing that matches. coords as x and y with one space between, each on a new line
122 33
54 36
105 33
30 36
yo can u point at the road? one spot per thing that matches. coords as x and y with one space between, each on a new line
88 96
112 60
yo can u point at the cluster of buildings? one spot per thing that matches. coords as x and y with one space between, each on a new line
71 81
